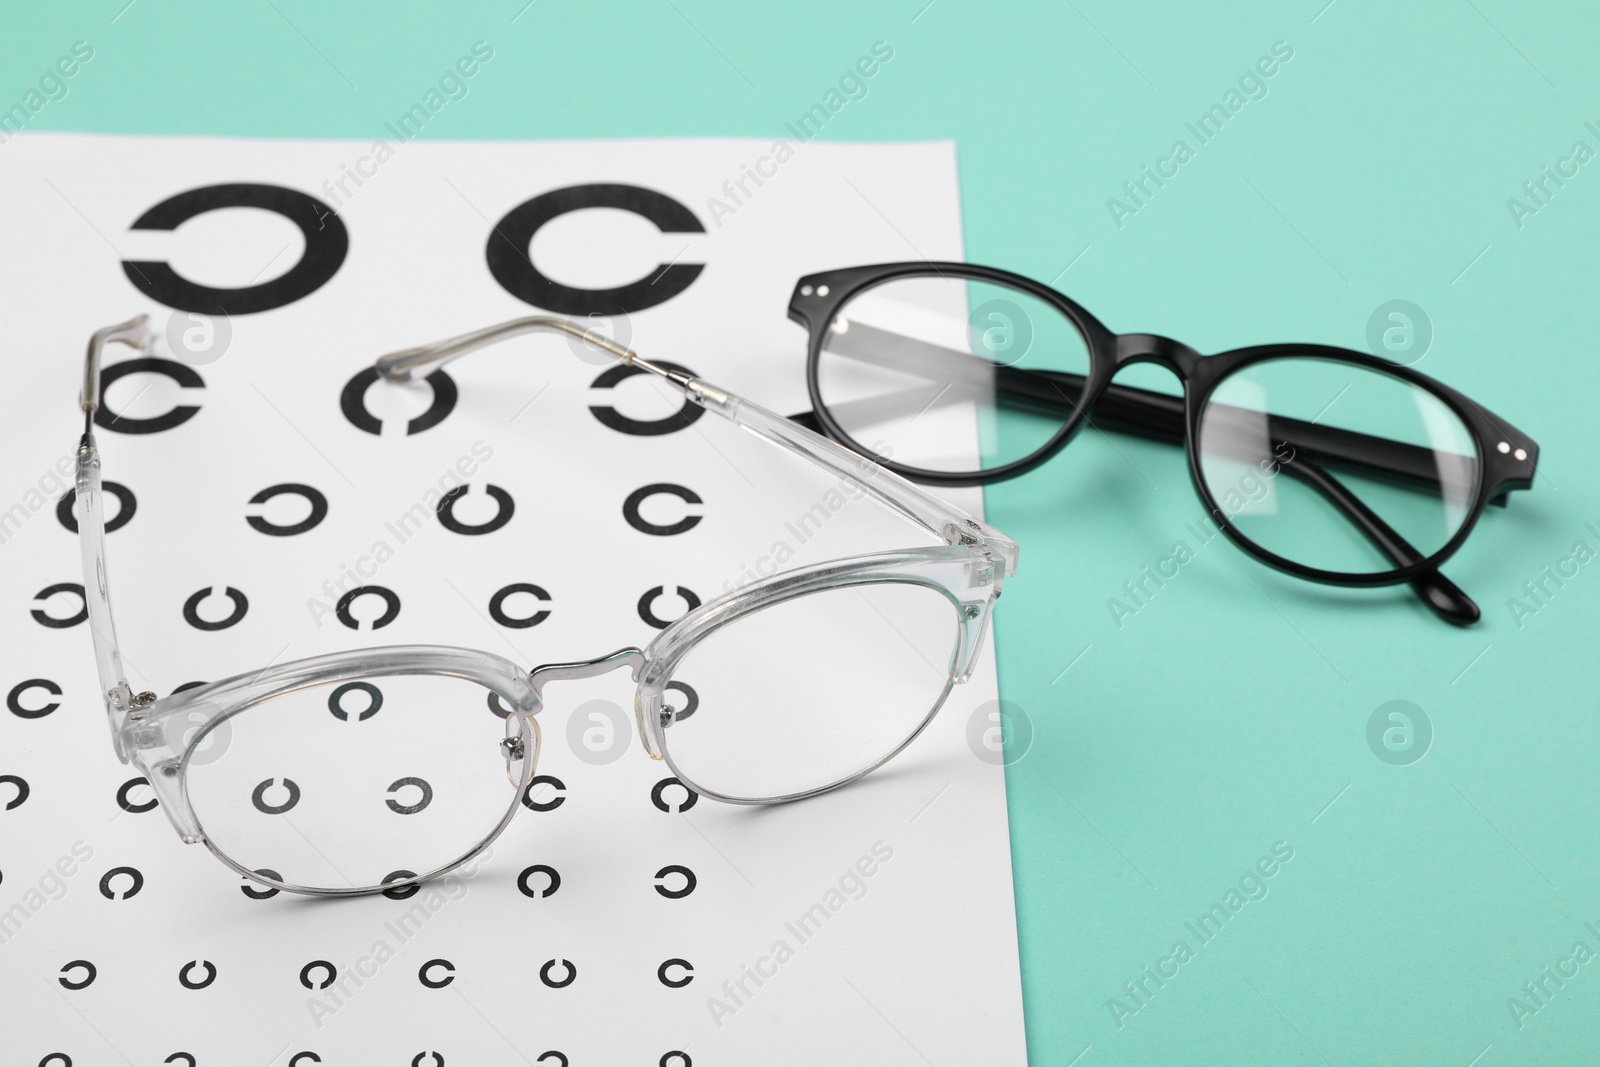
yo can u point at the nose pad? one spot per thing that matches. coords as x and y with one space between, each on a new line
661 707
646 710
521 742
974 623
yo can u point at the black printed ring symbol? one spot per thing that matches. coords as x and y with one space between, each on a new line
401 892
353 402
294 1061
689 881
497 705
329 970
136 883
127 805
508 259
630 509
543 805
89 974
41 617
409 809
188 1060
656 797
262 892
538 868
391 609
438 1060
497 607
557 983
425 977
326 244
56 1059
374 701
189 983
126 506
318 502
259 796
21 787
446 510
560 1058
184 375
675 983
616 420
14 698
191 609
648 601
681 1059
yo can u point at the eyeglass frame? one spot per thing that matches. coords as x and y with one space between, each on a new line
968 569
1507 458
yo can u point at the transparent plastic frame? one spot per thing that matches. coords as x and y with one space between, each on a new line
968 569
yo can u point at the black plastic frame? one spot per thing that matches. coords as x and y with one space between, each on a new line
817 298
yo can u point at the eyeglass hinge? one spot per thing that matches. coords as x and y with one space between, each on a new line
966 533
670 715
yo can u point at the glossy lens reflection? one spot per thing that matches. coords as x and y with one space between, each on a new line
951 374
812 691
1337 466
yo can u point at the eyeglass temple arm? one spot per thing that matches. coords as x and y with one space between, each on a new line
135 333
405 365
942 519
1446 599
1159 416
89 510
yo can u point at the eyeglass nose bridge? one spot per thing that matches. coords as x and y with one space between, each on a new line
512 746
1153 348
631 658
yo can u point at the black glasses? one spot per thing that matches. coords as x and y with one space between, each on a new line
1330 464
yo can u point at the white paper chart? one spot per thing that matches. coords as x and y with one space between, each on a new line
257 477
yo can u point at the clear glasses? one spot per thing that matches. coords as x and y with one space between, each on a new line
361 771
1329 464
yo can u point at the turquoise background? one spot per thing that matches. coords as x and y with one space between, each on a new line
1231 711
